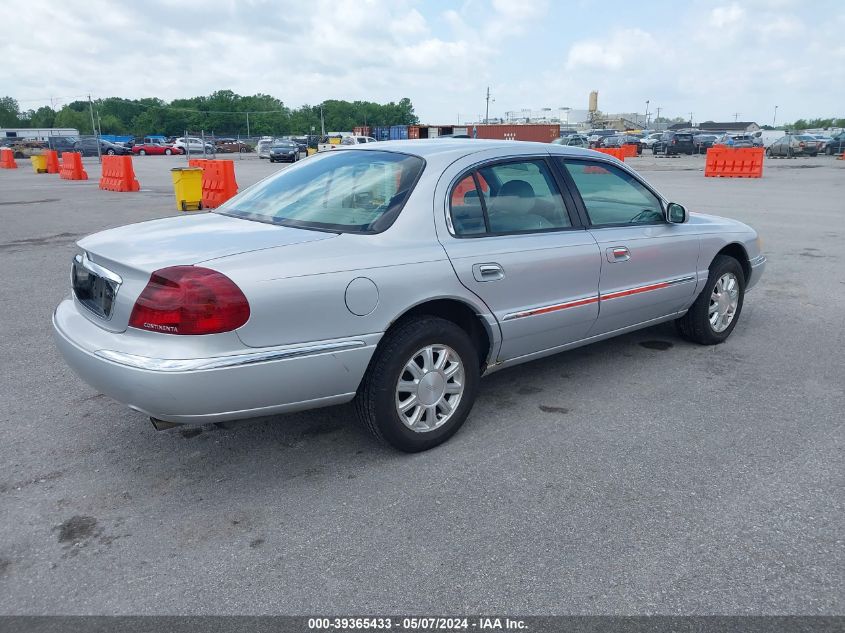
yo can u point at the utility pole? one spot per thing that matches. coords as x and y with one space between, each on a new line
487 109
656 121
646 113
775 117
94 129
322 123
690 119
247 124
736 116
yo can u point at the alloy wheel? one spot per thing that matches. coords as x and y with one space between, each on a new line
723 302
430 388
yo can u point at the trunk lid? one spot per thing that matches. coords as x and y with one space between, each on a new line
133 252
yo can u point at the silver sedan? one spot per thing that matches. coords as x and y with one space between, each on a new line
396 274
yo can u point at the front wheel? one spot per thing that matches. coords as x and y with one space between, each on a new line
142 153
168 152
713 316
420 385
110 152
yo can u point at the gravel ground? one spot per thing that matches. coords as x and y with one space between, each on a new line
634 476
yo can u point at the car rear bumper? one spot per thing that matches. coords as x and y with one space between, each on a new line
244 383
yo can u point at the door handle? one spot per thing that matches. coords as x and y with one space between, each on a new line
618 254
487 272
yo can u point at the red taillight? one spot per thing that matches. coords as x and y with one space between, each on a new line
801 144
189 300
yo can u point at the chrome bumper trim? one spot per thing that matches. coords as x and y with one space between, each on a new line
222 362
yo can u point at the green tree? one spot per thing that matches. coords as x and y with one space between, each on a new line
69 117
42 117
9 112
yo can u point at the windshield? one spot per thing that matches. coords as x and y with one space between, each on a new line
345 191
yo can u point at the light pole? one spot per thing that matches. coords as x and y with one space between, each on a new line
646 113
775 117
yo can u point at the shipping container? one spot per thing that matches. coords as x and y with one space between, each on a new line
398 132
542 133
361 130
381 133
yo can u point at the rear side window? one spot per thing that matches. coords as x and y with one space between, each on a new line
506 198
612 196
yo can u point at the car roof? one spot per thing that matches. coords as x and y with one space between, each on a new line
458 147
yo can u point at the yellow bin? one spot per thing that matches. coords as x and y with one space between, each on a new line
187 185
311 151
39 164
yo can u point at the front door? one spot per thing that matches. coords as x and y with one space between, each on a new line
514 243
648 264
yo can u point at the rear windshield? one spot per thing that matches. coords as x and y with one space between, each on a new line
345 191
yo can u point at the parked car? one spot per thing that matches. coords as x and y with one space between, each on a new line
573 140
622 139
193 145
348 276
703 142
738 140
88 147
651 139
263 147
301 142
284 151
821 142
836 145
595 136
232 146
25 147
674 143
61 143
156 149
793 145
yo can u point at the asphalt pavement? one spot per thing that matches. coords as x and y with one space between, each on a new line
638 475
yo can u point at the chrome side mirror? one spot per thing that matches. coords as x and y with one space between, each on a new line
676 213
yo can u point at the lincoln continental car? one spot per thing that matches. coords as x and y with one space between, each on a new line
393 274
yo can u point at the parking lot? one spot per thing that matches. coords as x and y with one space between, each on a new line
638 475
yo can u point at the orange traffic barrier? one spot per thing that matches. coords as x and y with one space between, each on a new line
118 174
630 151
729 162
218 182
71 168
197 162
7 159
841 157
613 151
52 161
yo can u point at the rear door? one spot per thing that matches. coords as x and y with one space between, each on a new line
648 266
515 241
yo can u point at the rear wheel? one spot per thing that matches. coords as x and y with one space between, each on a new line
143 152
110 152
168 151
713 316
420 385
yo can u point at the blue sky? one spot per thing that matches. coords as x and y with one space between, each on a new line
714 59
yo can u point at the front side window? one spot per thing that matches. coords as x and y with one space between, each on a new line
612 195
513 197
350 191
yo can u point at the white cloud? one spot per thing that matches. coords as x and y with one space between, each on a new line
737 57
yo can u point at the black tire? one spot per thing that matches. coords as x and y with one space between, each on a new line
375 401
769 152
695 325
142 153
110 152
829 151
168 152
